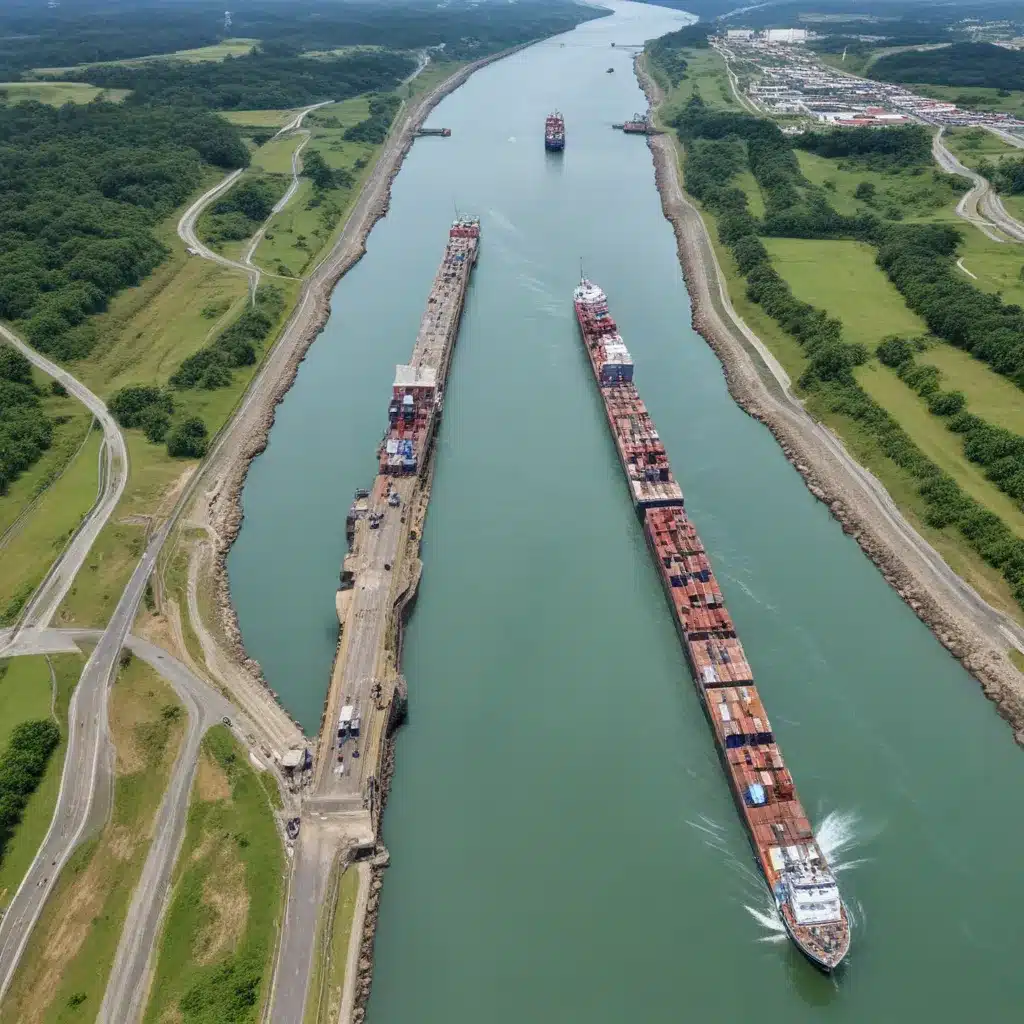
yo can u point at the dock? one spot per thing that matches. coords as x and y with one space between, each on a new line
441 132
383 527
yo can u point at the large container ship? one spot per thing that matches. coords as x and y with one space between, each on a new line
803 885
554 132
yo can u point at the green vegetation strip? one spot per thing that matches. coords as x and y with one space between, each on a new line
26 694
64 971
337 916
720 145
215 953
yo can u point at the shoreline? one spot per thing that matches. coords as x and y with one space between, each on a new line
764 398
248 436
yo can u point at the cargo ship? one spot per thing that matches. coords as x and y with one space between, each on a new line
794 866
554 132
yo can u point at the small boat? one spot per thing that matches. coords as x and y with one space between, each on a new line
610 71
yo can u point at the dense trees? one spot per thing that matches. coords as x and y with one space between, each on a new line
188 440
143 406
254 81
32 35
242 209
374 128
967 64
82 186
895 147
25 431
21 770
919 260
210 368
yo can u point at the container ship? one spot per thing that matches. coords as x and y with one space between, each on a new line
803 885
554 132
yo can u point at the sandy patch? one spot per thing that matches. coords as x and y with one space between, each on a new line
211 780
225 894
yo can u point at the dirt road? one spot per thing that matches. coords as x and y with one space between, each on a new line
964 623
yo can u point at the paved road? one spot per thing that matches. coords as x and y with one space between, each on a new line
86 782
44 603
128 986
981 206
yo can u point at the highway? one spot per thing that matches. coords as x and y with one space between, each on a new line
43 605
981 206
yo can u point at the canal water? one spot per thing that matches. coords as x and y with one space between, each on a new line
563 843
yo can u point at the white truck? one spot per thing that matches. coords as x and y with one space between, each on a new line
348 712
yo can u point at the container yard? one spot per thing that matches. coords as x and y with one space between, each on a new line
802 883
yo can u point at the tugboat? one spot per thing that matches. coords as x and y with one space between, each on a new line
554 132
610 71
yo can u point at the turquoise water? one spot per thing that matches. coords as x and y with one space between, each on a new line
563 843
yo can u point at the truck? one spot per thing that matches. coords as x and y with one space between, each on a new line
345 720
354 726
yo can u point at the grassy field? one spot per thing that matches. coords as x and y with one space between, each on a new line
434 73
327 982
259 118
706 76
275 157
972 145
65 968
56 93
988 394
842 278
218 51
145 335
220 929
974 97
303 230
26 693
37 541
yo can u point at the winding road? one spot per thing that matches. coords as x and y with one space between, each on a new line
43 605
981 206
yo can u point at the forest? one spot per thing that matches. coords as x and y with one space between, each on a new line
254 81
900 146
87 31
83 186
25 431
965 64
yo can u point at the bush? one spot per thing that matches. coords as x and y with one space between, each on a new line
137 404
946 403
188 440
894 351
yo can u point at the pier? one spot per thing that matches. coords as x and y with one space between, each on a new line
378 579
442 132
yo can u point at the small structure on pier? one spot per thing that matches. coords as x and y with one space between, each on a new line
639 124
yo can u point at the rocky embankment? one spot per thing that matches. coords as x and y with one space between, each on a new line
954 613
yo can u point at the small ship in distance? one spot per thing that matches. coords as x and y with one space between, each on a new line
554 132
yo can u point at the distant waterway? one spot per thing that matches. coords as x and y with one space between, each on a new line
563 843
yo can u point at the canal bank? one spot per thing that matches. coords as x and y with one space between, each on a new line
971 630
563 844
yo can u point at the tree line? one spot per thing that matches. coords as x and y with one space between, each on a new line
897 147
966 64
25 430
22 767
375 126
82 188
710 165
255 81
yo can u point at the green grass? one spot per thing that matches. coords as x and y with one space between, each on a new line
37 542
1017 658
706 76
259 118
996 266
972 145
29 676
299 234
275 157
842 278
64 972
71 422
938 443
226 902
433 74
218 51
989 394
25 693
56 94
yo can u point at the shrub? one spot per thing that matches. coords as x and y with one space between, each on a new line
947 403
188 440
